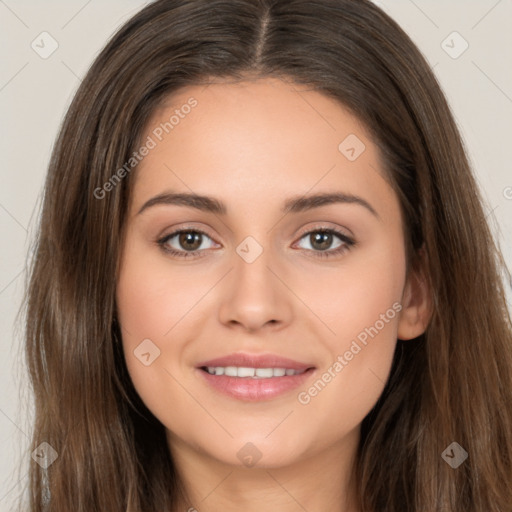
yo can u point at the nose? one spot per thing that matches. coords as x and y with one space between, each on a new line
254 296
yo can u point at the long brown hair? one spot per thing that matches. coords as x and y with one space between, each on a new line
452 384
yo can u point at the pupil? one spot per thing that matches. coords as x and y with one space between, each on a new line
322 239
190 238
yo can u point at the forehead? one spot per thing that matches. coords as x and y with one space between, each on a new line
251 140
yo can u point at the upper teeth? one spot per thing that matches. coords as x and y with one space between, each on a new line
255 373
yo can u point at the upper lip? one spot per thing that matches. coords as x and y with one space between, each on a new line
256 361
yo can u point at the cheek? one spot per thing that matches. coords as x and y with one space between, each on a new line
355 296
158 301
348 386
362 308
147 311
153 295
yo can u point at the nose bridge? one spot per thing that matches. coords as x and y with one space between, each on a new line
255 297
253 279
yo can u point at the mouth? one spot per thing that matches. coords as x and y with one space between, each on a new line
253 377
254 373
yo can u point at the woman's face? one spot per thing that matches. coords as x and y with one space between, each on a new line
253 278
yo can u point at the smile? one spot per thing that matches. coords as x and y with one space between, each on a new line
255 373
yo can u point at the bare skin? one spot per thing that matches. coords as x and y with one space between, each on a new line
253 145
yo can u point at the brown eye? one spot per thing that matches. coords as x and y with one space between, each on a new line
185 242
321 240
323 243
190 240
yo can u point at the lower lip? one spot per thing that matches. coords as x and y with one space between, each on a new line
247 388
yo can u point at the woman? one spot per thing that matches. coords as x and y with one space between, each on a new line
335 337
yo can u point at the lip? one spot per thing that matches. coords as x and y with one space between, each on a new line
249 389
256 361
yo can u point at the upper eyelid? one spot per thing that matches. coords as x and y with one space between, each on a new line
325 227
186 228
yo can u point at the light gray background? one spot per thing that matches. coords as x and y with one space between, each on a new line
35 92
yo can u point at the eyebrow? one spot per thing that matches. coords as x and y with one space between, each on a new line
293 205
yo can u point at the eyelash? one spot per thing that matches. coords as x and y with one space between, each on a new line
348 243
